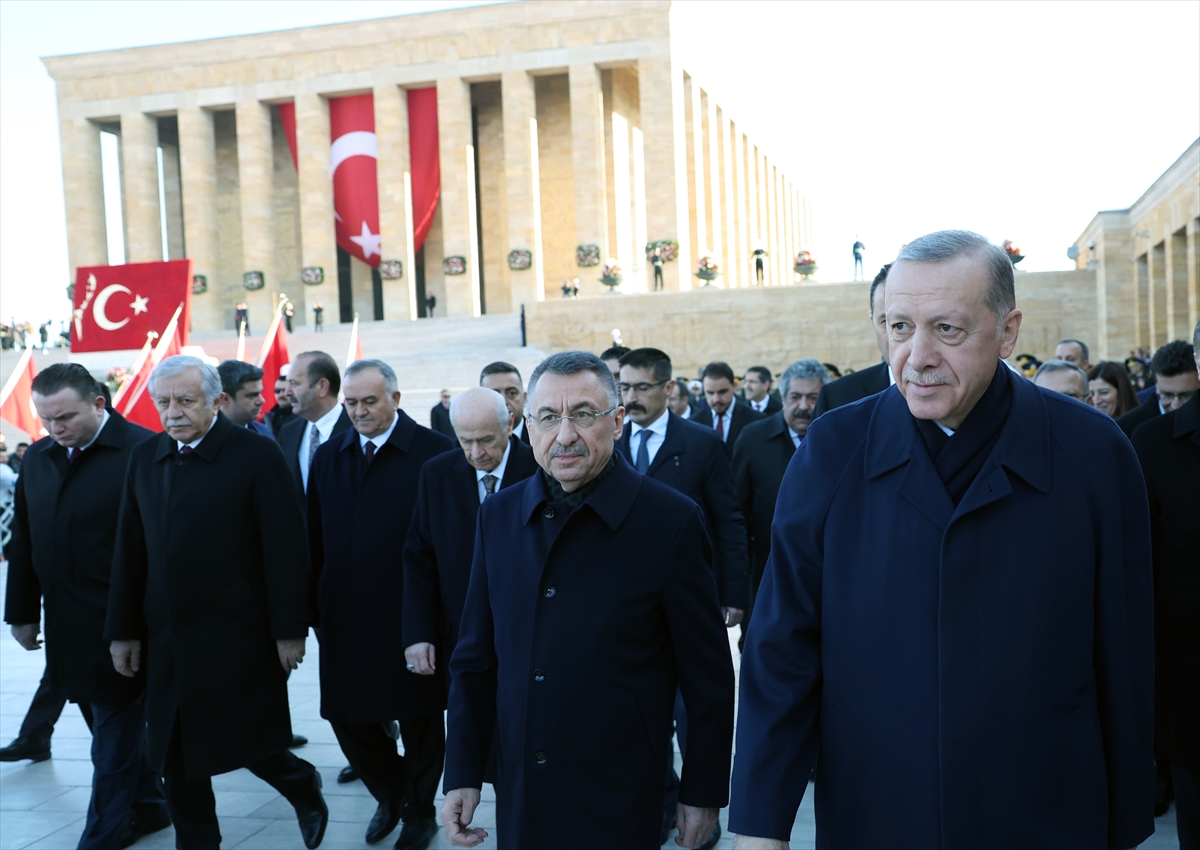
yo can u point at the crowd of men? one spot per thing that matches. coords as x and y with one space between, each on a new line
957 589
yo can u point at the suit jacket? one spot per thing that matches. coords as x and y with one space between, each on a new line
1144 412
441 543
954 663
358 519
691 461
524 438
577 630
860 384
741 415
1169 448
439 420
291 436
260 428
210 570
63 532
774 405
761 456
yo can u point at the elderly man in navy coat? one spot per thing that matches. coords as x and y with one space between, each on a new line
361 492
591 600
972 680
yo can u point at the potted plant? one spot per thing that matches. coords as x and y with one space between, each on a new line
611 274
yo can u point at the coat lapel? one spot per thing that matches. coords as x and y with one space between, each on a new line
672 445
892 441
465 485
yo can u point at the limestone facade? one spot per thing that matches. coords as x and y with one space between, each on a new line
560 125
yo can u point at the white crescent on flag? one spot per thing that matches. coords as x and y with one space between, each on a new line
102 321
355 143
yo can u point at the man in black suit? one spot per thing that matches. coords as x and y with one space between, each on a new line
505 379
281 414
441 539
757 392
873 379
313 384
761 456
1063 377
62 551
439 416
242 386
1175 384
1168 447
361 493
690 459
723 415
221 629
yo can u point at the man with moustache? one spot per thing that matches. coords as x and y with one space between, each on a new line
953 672
873 379
361 492
61 552
591 600
505 379
313 384
722 414
761 455
281 413
217 630
756 391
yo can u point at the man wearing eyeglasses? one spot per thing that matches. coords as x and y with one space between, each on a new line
1063 377
1175 384
591 600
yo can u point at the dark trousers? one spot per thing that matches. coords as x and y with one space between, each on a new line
124 787
758 270
191 802
671 793
658 277
45 709
1187 806
858 268
412 778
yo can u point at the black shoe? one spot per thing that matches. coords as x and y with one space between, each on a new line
385 820
712 839
348 775
140 827
417 834
26 748
311 813
298 741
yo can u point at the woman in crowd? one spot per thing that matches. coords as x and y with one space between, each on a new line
1109 389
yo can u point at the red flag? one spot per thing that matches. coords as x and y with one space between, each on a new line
272 358
352 155
116 306
16 399
426 160
354 350
138 404
131 382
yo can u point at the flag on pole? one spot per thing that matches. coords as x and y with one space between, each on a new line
128 384
354 350
16 399
241 352
138 405
273 356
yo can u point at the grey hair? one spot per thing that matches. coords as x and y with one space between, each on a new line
808 369
572 363
1083 349
501 406
210 378
389 374
946 245
1060 366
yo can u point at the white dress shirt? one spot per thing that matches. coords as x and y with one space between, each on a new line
518 428
178 445
759 406
796 438
726 421
654 441
325 429
379 440
498 472
687 413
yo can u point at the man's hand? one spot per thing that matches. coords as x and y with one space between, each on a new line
695 825
732 616
422 656
749 842
457 813
291 652
126 656
27 636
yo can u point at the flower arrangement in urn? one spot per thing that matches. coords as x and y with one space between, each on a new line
804 265
708 268
611 273
1013 250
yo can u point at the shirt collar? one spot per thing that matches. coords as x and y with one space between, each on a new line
192 445
377 440
325 423
96 436
658 426
499 470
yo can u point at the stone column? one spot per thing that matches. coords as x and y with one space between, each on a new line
732 258
660 82
173 196
139 188
254 154
753 208
391 164
696 170
198 176
741 204
318 242
587 157
713 178
767 181
87 236
519 106
1193 271
457 202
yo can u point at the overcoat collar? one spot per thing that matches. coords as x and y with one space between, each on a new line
776 427
1187 420
401 437
611 501
209 447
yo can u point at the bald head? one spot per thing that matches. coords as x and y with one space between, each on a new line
483 423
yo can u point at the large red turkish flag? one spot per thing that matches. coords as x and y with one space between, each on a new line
116 306
352 156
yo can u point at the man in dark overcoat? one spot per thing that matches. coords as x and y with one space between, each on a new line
1169 448
723 414
61 552
591 600
313 383
439 416
873 379
972 680
217 629
361 492
441 539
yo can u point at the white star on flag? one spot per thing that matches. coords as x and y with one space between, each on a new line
139 304
368 241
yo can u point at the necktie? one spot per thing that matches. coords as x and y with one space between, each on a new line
720 425
72 454
314 440
489 484
186 450
642 462
369 451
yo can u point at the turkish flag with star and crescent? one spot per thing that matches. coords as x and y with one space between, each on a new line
352 157
116 306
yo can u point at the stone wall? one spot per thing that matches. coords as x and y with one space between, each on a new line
557 170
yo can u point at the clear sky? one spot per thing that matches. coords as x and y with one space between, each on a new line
1017 119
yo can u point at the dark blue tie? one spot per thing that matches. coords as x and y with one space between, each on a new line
643 453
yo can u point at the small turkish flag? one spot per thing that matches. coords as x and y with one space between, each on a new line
352 157
16 399
116 306
137 405
272 358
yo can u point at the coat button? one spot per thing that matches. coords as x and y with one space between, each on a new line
540 758
539 675
549 592
548 512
